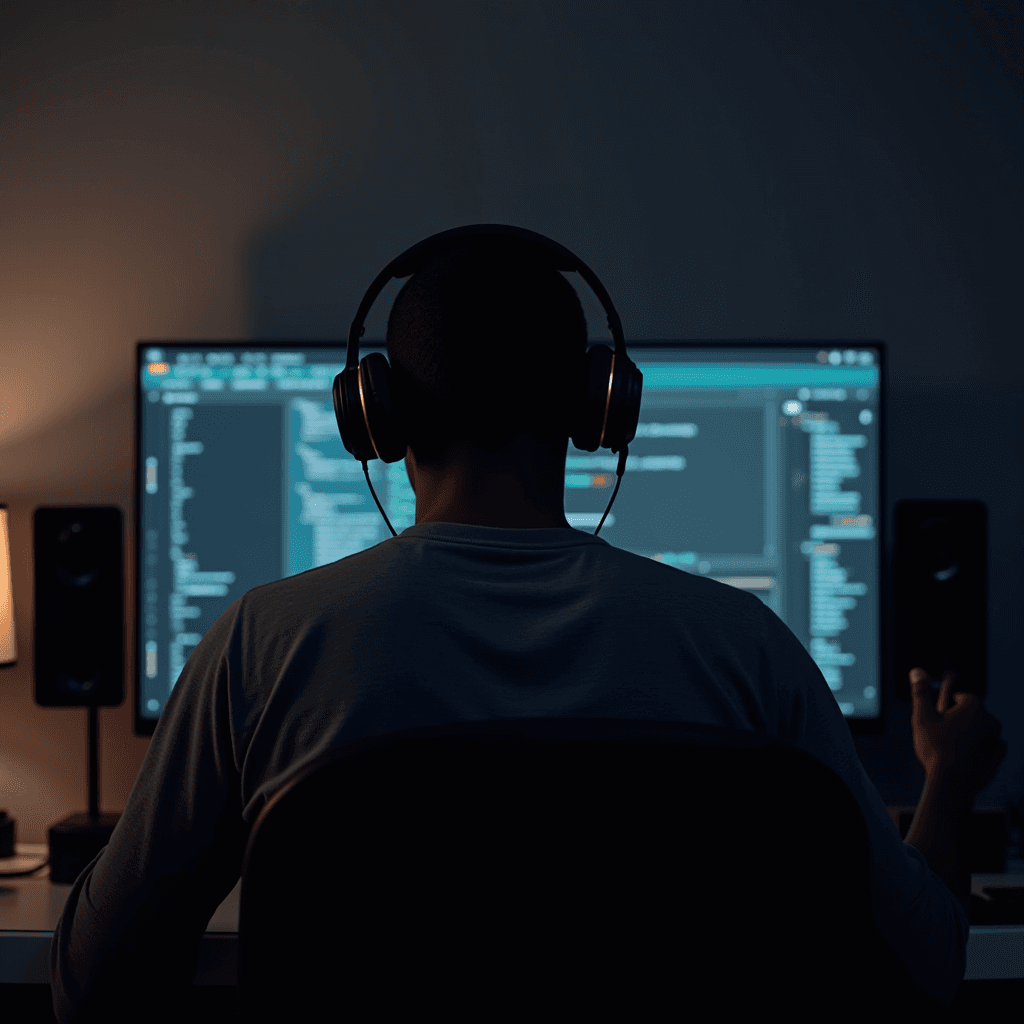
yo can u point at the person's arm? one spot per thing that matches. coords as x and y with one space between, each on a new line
939 831
957 743
917 915
127 942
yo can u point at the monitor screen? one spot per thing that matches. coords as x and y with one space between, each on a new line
757 465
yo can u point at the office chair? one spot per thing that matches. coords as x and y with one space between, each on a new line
563 868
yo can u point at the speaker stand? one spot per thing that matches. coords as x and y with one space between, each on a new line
75 840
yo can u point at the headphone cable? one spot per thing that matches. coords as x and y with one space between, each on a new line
366 473
618 472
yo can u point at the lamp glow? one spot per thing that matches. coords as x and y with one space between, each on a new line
8 653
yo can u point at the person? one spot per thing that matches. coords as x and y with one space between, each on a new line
490 606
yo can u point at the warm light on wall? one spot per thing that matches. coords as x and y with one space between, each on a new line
8 653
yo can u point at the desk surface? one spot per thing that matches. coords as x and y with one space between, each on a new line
31 907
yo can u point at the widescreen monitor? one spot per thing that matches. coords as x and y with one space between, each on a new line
759 465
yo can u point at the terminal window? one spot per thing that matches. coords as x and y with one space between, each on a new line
758 467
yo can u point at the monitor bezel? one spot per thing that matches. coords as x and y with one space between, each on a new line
145 726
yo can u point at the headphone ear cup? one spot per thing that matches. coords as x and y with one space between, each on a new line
348 411
386 435
624 407
593 398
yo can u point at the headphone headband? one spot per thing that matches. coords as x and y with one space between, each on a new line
419 255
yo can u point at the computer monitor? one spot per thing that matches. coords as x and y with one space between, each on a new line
758 464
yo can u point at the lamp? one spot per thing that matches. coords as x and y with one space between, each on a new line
8 651
8 654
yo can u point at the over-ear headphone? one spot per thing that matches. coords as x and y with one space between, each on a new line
605 416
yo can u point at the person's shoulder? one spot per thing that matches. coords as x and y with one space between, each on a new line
720 592
321 585
690 575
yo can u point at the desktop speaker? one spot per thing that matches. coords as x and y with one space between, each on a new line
941 593
79 606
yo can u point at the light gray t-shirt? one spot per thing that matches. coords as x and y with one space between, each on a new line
448 622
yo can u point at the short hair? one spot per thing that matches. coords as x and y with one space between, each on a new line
485 343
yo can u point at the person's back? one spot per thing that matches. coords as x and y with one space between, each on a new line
451 621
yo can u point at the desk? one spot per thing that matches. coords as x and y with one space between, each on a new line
31 907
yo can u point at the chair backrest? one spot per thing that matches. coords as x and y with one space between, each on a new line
557 866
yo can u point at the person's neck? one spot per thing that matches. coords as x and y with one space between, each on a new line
520 488
502 519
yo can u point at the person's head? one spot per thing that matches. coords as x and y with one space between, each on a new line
486 343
